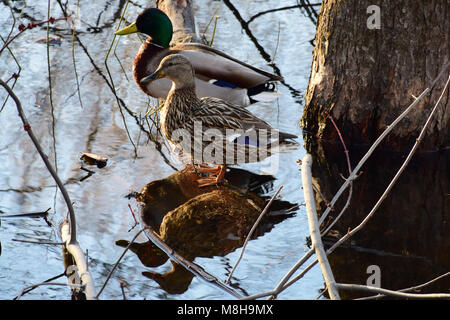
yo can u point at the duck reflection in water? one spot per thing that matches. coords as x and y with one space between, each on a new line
202 222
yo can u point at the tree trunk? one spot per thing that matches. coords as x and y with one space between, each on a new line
365 76
181 14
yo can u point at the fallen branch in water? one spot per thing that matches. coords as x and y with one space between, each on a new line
188 265
80 261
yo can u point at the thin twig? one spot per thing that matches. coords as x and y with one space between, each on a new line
214 31
349 166
253 230
74 60
392 293
31 25
123 284
117 262
410 288
113 87
289 274
46 281
259 14
14 76
29 288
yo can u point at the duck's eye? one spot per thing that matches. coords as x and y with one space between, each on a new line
170 64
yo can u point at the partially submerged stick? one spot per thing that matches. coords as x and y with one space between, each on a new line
316 239
80 261
192 267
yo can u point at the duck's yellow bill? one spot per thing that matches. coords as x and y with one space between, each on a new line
132 28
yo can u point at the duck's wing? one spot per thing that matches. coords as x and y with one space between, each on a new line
222 76
230 128
212 64
218 114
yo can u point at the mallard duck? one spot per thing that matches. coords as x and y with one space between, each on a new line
217 74
210 130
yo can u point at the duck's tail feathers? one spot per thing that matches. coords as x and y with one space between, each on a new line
286 146
265 92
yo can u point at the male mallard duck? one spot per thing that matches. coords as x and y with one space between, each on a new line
211 130
217 74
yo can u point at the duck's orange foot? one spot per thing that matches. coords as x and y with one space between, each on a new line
215 175
208 169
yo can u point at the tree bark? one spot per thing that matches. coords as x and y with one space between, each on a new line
181 14
366 77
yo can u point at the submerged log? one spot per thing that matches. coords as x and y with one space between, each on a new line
365 74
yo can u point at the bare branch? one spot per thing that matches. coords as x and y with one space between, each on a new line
314 228
392 293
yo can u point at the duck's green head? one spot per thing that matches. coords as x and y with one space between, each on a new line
154 23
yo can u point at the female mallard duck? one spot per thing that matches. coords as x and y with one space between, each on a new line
217 74
210 130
